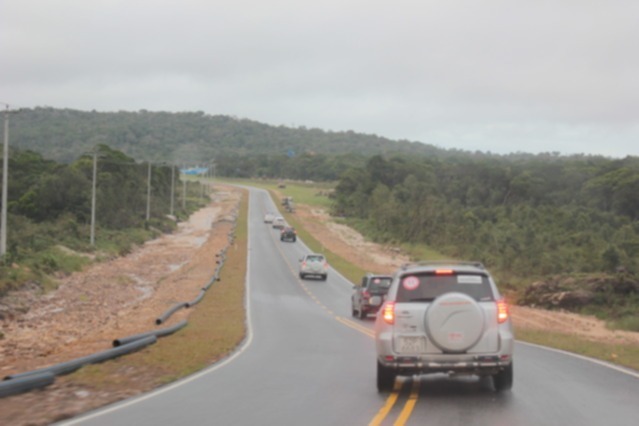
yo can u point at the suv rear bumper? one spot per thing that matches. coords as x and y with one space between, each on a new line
480 365
473 363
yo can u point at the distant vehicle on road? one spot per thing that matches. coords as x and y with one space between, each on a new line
444 318
279 222
314 264
268 217
288 233
368 297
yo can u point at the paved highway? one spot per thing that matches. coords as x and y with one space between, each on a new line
307 362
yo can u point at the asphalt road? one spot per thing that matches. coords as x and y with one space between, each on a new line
306 361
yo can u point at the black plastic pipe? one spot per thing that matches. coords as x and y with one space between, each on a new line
71 366
157 333
20 385
197 299
173 309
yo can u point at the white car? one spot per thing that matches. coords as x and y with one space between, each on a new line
269 217
279 222
444 318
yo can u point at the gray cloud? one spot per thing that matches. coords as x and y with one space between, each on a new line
498 76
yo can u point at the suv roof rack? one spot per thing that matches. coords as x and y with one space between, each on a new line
443 262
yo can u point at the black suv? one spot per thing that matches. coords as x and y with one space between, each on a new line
288 233
363 300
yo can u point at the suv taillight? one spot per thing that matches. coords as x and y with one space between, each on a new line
366 294
388 313
502 311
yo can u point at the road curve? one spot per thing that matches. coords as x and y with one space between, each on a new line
306 361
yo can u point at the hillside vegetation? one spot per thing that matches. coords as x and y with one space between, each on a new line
563 223
49 212
533 220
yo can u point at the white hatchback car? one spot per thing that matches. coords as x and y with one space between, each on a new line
444 318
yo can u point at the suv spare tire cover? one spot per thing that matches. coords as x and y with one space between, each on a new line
454 322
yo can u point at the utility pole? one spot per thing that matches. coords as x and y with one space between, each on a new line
95 174
5 186
148 196
184 191
172 187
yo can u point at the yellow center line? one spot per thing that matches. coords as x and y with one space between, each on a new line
355 326
390 402
410 404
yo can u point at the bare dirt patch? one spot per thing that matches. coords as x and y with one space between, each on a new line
109 300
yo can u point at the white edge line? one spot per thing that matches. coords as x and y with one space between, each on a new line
196 376
585 358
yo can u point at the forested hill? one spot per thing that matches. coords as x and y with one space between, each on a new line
63 134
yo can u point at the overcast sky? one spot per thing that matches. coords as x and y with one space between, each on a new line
493 75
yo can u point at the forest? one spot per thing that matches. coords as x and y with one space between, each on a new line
535 218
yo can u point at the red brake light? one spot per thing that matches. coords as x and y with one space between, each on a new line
444 272
366 294
388 312
502 311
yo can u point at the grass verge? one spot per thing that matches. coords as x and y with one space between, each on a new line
626 355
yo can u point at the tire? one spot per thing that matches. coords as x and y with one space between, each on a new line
385 378
294 239
302 276
503 380
353 311
323 277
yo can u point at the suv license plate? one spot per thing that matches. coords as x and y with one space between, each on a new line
411 345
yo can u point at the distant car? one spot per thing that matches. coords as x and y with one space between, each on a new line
288 233
444 317
314 264
279 222
269 217
368 297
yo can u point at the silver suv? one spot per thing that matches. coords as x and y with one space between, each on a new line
444 317
314 264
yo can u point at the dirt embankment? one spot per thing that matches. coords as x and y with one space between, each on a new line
351 245
109 300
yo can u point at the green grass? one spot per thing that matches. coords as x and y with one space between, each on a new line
311 194
622 354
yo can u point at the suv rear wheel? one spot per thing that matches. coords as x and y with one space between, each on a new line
385 378
504 379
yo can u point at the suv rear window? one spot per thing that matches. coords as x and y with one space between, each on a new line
379 283
427 287
313 258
